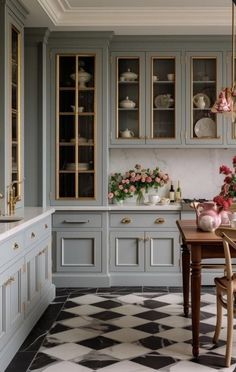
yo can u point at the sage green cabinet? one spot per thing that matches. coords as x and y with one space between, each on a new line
146 98
144 248
79 248
204 79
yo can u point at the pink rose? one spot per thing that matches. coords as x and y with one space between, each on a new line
121 187
149 179
110 195
157 179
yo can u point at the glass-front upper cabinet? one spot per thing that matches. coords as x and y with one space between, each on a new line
204 80
15 111
230 119
128 86
76 126
163 99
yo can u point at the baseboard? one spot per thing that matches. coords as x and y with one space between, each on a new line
80 280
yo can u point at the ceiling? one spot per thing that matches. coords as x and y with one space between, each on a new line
132 17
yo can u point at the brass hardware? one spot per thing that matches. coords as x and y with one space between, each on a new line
12 198
46 226
126 220
16 246
82 221
33 235
1 196
9 281
159 221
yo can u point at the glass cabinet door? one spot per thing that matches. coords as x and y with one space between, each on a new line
204 79
128 78
163 74
76 126
15 109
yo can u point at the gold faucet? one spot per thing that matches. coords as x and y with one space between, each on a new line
12 198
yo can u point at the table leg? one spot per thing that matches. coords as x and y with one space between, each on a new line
195 296
185 277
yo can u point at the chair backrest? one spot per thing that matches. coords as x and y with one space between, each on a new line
228 236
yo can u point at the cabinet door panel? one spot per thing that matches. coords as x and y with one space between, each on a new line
12 315
127 251
44 265
32 282
79 251
162 251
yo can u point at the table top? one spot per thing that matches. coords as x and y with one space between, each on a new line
191 234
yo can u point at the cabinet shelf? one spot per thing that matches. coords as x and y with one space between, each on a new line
76 171
128 109
164 82
164 109
73 88
129 82
204 82
74 143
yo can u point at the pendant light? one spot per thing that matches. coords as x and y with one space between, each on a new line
226 102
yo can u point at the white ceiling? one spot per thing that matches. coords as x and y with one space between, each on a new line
138 17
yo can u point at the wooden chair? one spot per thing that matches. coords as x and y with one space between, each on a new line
226 290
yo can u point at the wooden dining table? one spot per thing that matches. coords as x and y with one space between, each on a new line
197 246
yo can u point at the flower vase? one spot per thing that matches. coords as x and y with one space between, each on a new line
118 202
140 198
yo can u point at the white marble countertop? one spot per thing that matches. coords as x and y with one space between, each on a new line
30 215
123 207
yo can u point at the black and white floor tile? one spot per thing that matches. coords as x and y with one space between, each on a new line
121 330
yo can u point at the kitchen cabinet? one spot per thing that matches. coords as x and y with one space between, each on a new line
79 249
25 283
203 81
76 119
12 103
78 103
146 243
12 301
146 98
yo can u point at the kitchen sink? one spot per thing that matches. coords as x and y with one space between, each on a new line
7 219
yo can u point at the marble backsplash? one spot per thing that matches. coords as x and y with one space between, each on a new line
196 169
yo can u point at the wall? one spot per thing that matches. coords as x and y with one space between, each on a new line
197 169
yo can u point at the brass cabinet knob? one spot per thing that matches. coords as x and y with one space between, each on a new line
159 221
33 235
16 246
46 226
126 220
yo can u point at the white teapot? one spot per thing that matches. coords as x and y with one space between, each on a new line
126 133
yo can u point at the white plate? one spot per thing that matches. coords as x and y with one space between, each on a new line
206 99
161 101
205 127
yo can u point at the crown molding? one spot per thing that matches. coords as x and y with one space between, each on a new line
62 13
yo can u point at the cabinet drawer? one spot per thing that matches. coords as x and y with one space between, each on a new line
71 220
11 248
154 220
38 231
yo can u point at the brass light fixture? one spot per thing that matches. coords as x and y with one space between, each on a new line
226 102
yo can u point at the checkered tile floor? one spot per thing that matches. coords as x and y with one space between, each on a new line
129 332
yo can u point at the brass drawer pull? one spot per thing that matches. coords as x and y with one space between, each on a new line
16 246
33 235
159 221
73 222
126 220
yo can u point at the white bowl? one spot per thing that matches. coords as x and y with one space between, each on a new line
127 103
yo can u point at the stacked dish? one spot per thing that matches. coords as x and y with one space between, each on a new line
81 166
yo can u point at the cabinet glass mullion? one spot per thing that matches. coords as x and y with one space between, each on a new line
76 126
163 98
15 99
203 95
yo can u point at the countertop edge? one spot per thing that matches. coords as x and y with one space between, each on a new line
30 216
